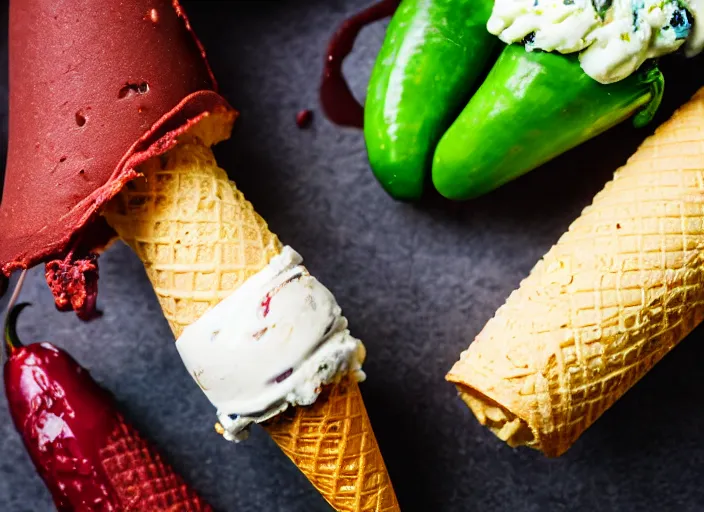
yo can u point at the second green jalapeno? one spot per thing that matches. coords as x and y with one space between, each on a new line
532 107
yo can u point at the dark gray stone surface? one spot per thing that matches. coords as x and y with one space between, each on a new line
416 282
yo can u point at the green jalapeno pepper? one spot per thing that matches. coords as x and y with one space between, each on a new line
532 107
432 55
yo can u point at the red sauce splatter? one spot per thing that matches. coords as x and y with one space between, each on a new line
64 418
266 305
336 98
304 118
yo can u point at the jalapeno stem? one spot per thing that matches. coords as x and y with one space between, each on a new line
12 341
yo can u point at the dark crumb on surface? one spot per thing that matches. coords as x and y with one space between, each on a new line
618 226
304 118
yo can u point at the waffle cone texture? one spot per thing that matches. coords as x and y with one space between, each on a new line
199 240
141 478
616 293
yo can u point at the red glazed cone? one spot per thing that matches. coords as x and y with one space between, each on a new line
96 88
141 477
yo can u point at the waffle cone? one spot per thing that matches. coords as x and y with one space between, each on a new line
199 240
141 478
620 289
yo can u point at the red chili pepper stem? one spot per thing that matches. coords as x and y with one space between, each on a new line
12 340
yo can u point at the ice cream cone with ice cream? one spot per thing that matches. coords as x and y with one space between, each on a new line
124 149
202 244
617 292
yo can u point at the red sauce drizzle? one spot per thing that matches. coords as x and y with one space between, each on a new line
336 98
266 305
304 118
64 418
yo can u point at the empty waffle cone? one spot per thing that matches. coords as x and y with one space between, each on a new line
620 289
199 240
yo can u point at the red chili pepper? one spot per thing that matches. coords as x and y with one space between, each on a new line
89 457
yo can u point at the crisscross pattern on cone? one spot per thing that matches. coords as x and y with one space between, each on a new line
620 289
142 480
333 447
199 240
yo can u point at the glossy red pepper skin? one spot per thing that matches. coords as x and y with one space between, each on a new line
88 456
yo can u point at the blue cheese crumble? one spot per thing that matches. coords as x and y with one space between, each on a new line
613 37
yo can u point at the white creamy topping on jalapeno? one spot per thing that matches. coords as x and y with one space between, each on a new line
614 37
274 343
